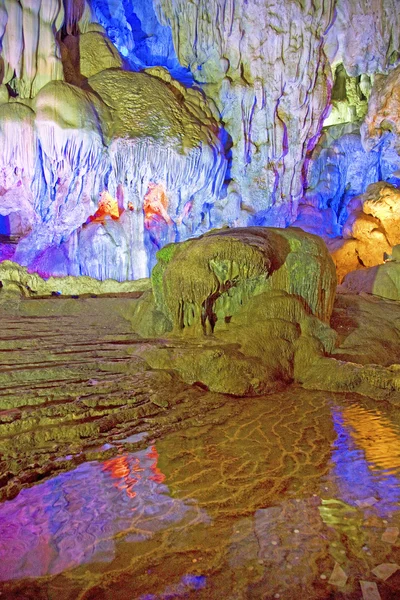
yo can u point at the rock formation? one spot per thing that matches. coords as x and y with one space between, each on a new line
381 280
272 102
246 311
259 298
371 229
264 127
15 280
125 133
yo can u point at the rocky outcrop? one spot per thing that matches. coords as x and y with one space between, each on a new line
370 231
381 280
15 279
256 298
123 134
246 311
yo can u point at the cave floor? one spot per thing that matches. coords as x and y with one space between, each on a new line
119 482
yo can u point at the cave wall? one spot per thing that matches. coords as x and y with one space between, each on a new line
246 112
268 68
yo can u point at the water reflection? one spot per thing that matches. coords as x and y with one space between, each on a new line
187 584
73 518
366 457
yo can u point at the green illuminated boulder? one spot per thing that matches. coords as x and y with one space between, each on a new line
242 308
205 281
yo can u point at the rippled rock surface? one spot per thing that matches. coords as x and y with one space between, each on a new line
243 501
120 480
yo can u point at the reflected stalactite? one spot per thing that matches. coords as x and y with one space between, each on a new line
157 476
75 517
365 452
375 435
126 470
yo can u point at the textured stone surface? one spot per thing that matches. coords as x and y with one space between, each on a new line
68 384
382 119
370 231
206 280
265 326
16 279
272 105
271 99
258 298
129 132
90 53
209 496
365 36
30 53
235 148
381 280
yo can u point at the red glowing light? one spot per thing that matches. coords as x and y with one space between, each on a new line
158 476
127 471
122 469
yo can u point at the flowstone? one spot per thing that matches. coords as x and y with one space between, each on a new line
258 298
95 130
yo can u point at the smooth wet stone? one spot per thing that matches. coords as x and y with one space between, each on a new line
338 576
370 590
390 535
367 502
385 570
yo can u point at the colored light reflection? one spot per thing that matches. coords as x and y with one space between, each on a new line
376 435
128 472
188 583
73 518
366 459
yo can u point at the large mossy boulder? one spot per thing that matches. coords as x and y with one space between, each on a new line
242 309
205 281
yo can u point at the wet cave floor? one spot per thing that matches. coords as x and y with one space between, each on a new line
119 482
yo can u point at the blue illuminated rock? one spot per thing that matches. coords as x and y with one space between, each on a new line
225 118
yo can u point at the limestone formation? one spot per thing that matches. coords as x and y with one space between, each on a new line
365 35
381 280
250 297
382 119
123 134
246 155
371 229
30 53
236 141
207 280
15 279
269 101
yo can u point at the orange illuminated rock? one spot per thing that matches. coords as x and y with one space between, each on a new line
155 204
107 206
382 201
